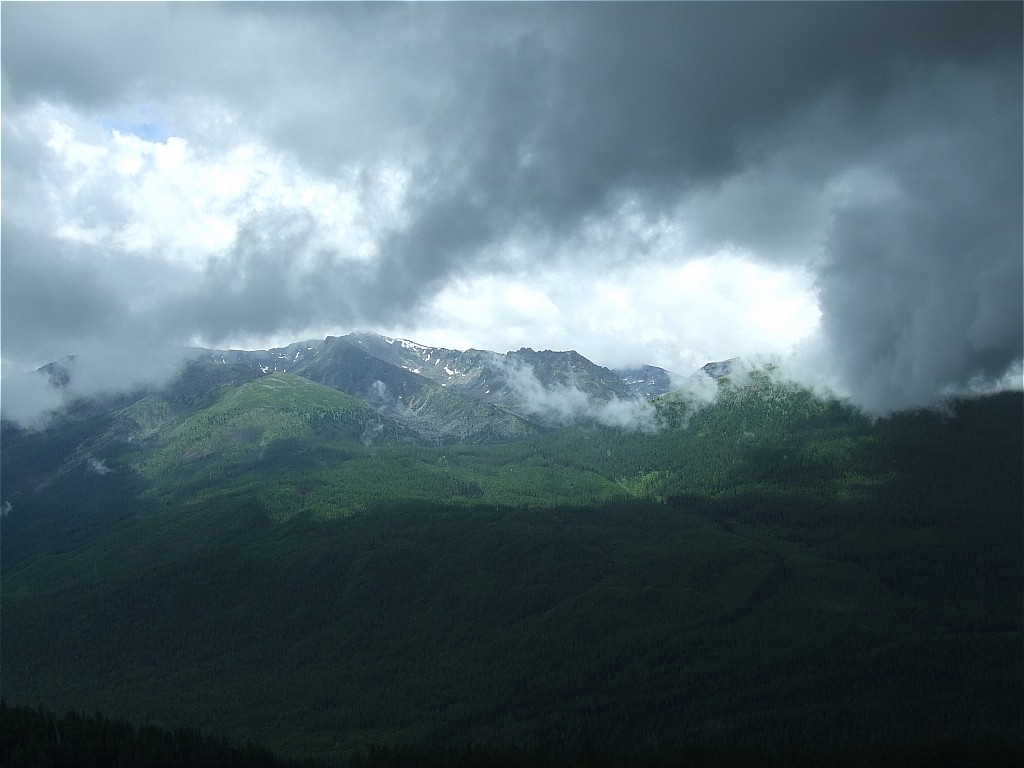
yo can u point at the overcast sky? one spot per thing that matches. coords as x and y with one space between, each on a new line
669 183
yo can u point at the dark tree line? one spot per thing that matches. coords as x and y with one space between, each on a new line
37 738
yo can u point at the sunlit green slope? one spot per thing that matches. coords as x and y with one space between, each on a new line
271 415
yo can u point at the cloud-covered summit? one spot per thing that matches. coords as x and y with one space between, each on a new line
685 181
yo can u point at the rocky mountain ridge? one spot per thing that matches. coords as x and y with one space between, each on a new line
438 394
451 394
482 372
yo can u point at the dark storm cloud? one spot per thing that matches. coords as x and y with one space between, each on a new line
525 121
258 286
556 121
547 107
608 100
50 293
924 286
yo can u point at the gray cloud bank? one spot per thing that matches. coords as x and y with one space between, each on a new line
877 145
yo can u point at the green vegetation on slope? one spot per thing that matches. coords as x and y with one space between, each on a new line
779 571
249 419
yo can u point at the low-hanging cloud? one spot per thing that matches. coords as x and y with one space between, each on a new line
98 466
315 167
565 403
31 399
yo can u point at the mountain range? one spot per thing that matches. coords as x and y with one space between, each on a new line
481 373
436 394
513 392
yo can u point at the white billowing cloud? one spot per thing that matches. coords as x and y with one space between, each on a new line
559 403
31 398
564 403
677 316
175 201
1011 381
628 414
28 399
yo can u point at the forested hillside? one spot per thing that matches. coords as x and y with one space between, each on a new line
767 571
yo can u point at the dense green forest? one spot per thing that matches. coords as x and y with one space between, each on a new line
770 573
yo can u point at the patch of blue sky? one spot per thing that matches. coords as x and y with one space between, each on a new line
143 122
